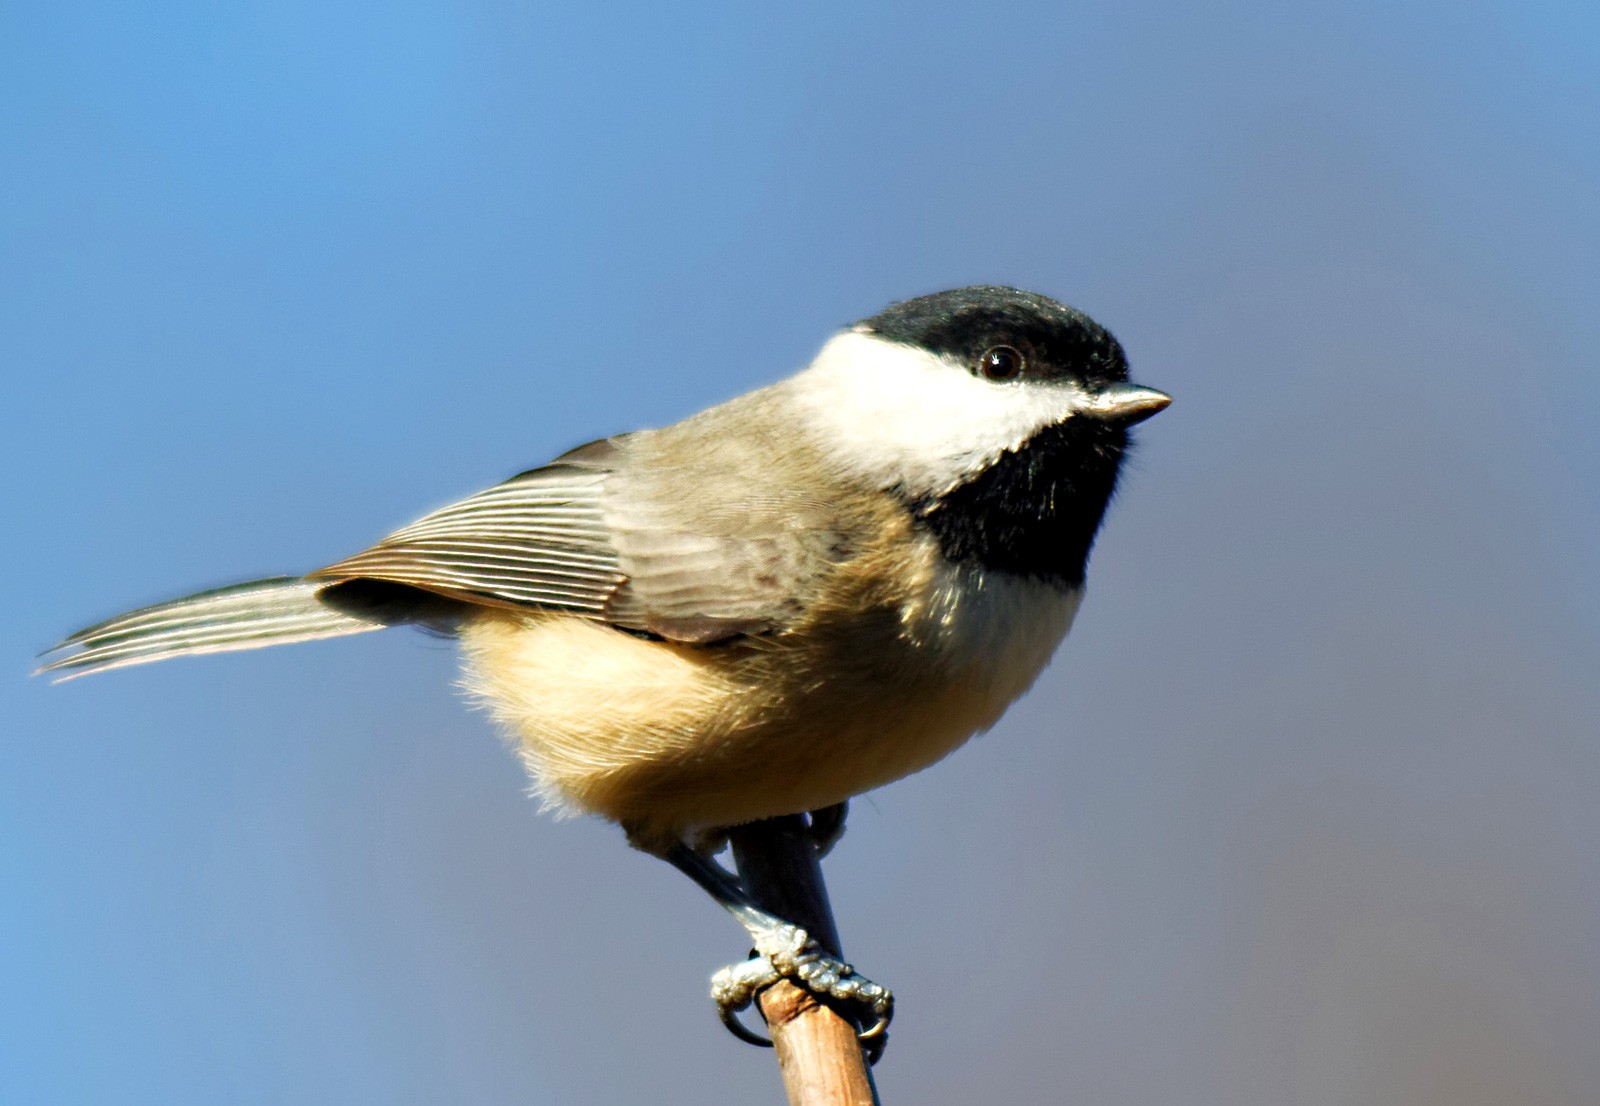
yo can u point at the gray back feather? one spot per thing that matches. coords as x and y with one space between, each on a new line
711 528
717 526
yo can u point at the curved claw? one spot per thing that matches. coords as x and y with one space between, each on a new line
735 987
880 1027
796 957
730 1018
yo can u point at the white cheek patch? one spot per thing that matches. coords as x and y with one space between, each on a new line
895 414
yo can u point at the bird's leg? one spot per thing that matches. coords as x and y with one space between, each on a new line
783 950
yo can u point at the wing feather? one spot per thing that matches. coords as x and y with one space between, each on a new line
243 616
538 540
693 533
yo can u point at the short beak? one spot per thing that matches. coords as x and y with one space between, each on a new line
1126 403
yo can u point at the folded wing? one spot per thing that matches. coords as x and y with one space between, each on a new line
537 540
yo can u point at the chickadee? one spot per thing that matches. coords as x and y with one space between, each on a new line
778 603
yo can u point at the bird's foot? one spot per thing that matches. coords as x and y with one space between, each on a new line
788 952
826 826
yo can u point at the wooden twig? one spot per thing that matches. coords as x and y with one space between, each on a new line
818 1054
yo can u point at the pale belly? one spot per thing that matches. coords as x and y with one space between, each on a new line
670 739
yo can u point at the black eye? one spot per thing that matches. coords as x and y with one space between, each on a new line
1001 363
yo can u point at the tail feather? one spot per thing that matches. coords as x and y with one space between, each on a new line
243 616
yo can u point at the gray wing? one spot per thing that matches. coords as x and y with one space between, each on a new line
615 532
717 579
726 523
537 540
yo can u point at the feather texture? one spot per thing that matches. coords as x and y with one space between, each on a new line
538 540
697 533
242 616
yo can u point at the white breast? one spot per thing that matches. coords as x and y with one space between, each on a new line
995 629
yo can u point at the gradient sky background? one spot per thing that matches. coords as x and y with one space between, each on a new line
1305 811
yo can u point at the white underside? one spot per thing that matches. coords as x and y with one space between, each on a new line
1003 626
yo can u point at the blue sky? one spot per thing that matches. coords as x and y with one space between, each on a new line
1304 811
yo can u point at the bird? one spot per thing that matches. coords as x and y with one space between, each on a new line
768 608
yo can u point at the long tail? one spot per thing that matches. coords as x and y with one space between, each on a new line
243 616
